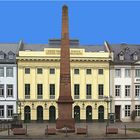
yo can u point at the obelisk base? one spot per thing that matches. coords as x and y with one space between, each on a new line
62 123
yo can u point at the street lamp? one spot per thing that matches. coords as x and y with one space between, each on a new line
107 100
19 104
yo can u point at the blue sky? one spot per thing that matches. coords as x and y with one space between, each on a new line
91 22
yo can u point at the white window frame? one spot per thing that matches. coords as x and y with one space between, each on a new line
2 111
137 108
127 73
1 71
9 73
117 90
117 73
127 110
127 90
137 90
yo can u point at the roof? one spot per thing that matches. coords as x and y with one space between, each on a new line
127 50
56 43
9 49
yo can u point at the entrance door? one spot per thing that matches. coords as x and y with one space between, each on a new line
117 112
77 113
88 113
52 113
39 113
101 114
27 116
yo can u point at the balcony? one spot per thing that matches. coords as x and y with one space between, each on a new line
88 96
27 96
39 96
52 96
76 96
100 96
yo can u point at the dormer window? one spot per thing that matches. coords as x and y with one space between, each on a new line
10 55
135 56
121 56
1 55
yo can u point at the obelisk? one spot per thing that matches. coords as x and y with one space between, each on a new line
65 100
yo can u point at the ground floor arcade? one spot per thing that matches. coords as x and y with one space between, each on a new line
48 111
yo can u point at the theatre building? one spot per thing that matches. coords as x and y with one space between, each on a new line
39 78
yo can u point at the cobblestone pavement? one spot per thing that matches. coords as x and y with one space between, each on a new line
95 130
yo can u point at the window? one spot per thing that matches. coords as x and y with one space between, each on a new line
100 71
39 91
127 110
88 71
117 73
11 56
137 73
100 91
52 71
1 90
76 71
27 70
52 91
9 90
121 57
1 72
127 90
88 91
117 90
1 56
137 90
39 71
137 108
27 91
1 111
9 72
76 91
9 111
127 72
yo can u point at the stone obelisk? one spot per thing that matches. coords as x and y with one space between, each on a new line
65 100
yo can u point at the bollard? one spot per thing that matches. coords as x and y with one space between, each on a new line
8 130
125 129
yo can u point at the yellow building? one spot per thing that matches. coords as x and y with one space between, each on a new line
38 81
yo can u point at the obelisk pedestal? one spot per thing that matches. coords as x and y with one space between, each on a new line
65 100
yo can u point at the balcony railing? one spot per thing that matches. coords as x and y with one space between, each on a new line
27 96
76 96
100 96
52 96
39 96
88 96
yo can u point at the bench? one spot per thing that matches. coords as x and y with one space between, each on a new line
19 131
50 131
112 130
81 130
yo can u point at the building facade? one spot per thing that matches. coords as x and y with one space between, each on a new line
125 81
39 73
8 80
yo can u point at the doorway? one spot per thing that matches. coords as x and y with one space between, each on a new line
27 114
88 113
101 114
40 114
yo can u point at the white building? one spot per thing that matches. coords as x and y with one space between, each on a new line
8 80
125 81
